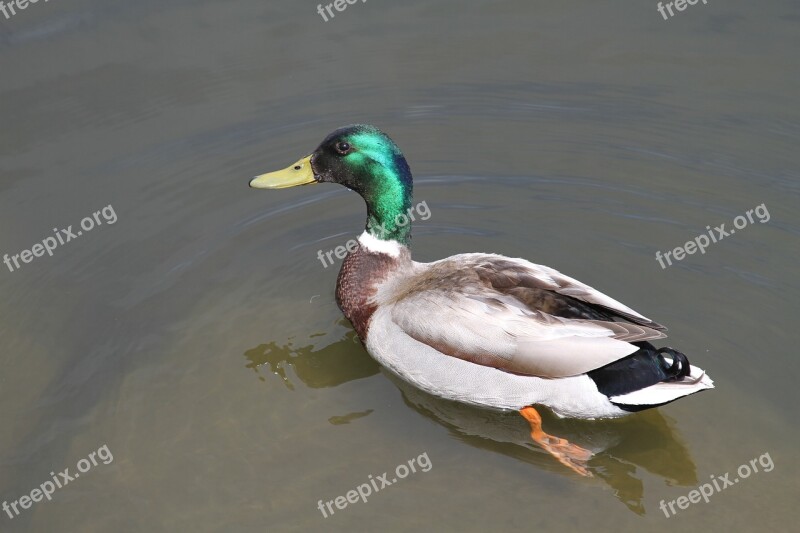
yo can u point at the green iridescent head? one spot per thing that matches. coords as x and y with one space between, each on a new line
365 160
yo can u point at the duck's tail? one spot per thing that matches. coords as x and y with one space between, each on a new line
649 377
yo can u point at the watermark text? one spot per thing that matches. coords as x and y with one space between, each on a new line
61 237
401 220
680 5
46 489
718 484
15 5
338 5
703 241
366 489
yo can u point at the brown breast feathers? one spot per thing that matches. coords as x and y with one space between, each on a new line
361 273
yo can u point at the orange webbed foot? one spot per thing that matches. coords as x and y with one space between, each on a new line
570 455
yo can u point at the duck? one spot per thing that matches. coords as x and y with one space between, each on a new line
484 329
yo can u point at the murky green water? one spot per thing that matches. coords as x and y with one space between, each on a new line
197 336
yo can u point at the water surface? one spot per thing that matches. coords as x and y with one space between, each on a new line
197 336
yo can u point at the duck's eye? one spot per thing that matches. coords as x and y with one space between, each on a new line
342 147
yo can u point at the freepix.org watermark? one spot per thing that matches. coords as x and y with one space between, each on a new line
338 5
401 220
701 242
366 489
718 484
46 489
15 5
61 237
680 5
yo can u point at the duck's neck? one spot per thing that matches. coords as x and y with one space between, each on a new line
387 212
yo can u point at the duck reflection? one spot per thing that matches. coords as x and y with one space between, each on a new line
646 440
331 365
621 447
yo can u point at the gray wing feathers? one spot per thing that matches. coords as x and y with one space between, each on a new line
493 311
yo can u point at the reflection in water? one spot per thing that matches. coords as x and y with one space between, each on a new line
346 419
329 366
646 440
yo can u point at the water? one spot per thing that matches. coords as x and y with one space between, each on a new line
197 336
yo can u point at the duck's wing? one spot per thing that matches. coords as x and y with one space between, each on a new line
516 316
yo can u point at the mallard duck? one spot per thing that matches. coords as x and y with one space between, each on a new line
479 328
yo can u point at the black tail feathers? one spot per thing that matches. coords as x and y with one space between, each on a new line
680 366
641 369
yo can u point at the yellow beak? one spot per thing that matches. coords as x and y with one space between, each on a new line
299 173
